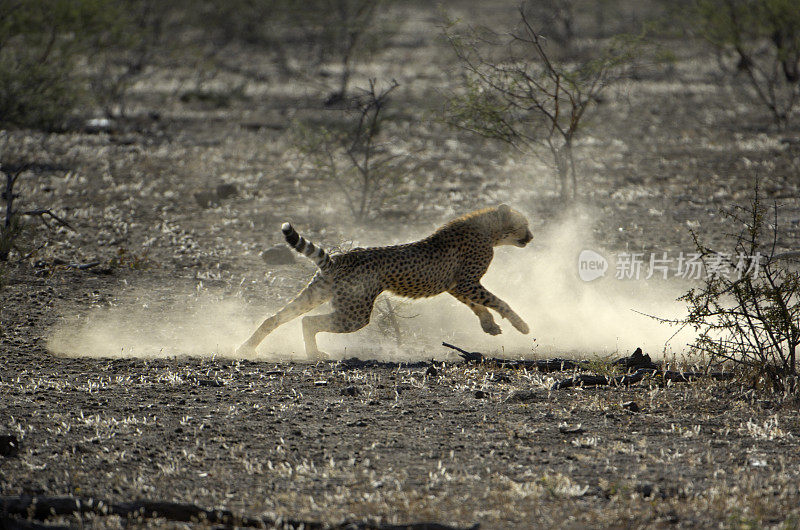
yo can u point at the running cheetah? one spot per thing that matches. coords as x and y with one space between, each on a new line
452 259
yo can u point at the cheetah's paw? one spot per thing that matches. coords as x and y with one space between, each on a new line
491 328
318 355
521 326
245 351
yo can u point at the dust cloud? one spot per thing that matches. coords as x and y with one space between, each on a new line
567 315
203 324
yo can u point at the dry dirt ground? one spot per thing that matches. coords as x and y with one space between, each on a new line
384 442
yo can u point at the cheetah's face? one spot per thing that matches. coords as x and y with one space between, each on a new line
515 228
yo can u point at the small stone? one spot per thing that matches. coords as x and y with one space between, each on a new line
631 406
321 382
350 391
644 489
9 445
567 429
206 199
522 396
480 394
226 191
278 255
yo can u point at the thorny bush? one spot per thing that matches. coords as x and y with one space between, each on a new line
747 311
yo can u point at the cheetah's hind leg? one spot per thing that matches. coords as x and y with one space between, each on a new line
344 319
315 294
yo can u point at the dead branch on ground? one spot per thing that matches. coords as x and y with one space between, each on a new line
10 228
639 361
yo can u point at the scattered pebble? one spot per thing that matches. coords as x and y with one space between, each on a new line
9 445
567 429
521 396
278 255
226 191
631 406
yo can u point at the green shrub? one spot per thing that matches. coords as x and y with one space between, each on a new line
40 44
37 96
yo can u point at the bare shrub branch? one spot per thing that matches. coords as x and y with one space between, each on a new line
526 97
354 155
759 39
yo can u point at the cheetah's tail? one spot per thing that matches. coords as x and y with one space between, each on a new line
305 247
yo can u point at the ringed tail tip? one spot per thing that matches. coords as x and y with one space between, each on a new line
305 247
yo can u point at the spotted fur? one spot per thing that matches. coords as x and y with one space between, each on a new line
453 259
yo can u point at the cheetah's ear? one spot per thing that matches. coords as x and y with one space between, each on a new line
504 209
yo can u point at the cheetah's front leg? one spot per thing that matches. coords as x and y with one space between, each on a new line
487 321
477 294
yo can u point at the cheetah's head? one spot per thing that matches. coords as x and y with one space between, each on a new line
514 227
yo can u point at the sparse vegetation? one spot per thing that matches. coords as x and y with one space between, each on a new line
303 36
356 154
389 317
558 16
35 95
528 96
352 28
43 46
760 41
747 311
40 45
120 382
137 34
12 228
